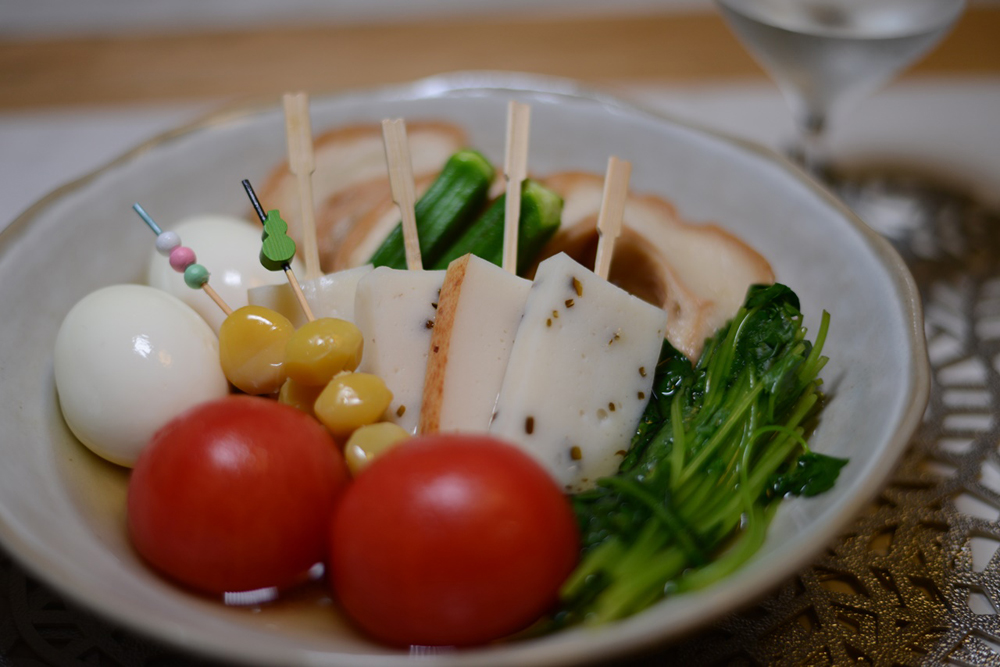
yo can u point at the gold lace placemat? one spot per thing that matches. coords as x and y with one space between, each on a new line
914 580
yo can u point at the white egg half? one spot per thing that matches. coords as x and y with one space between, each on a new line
230 249
128 359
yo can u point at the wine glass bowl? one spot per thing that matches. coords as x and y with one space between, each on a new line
826 55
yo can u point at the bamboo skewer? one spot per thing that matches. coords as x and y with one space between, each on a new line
609 220
299 295
397 155
515 171
302 164
210 291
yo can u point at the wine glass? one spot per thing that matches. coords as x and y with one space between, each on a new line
826 55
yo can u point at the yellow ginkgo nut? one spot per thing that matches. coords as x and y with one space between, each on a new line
302 397
369 442
352 400
322 348
252 342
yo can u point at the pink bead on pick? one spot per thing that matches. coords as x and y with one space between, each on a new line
181 257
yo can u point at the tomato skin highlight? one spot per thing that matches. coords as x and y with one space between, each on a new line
235 494
451 540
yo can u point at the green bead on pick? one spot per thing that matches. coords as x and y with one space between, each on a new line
195 276
277 249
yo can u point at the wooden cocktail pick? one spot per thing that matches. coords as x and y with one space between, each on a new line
515 171
302 164
609 220
397 156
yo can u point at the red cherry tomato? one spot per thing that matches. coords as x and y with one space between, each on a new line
235 494
451 540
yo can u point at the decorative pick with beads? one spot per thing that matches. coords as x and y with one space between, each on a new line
277 249
182 260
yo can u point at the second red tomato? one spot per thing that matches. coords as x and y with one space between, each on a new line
451 540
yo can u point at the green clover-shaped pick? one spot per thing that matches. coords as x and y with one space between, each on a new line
277 249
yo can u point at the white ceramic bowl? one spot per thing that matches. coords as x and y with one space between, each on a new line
62 509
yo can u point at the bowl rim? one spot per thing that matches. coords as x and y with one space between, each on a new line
636 633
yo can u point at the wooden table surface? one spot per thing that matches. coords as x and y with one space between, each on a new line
667 48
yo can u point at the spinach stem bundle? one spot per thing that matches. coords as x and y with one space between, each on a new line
720 443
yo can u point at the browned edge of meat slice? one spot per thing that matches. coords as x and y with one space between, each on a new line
437 357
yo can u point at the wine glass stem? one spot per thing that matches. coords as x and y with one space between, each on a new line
812 150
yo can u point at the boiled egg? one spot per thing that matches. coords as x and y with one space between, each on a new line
128 359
